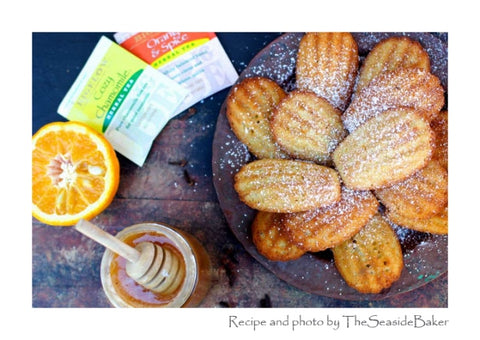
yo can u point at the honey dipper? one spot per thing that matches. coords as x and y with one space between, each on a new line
150 265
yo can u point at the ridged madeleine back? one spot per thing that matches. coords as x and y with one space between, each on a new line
282 186
327 64
385 150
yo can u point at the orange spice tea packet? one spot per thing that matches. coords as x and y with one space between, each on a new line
195 60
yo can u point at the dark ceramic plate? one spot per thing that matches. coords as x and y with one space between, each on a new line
425 255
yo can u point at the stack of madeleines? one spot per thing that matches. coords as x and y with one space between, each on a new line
352 150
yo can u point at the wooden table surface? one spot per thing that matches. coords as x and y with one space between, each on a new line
174 186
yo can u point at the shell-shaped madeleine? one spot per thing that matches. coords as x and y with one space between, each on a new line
325 227
327 64
249 108
307 126
421 195
385 150
270 239
372 260
279 185
389 54
402 87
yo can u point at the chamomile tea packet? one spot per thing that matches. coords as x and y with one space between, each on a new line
123 97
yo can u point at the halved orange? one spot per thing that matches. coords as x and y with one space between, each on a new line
75 173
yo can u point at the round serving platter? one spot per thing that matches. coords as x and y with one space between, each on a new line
425 255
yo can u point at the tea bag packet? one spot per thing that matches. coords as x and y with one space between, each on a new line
195 60
123 97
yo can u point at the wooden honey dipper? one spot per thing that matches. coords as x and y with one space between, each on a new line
150 265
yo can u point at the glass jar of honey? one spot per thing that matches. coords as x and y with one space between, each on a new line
123 291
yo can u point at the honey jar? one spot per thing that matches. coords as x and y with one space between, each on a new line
193 278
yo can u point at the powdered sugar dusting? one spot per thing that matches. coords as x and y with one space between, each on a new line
236 155
327 64
278 64
429 251
286 186
328 226
386 149
405 87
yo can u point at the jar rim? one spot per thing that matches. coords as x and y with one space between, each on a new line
182 245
